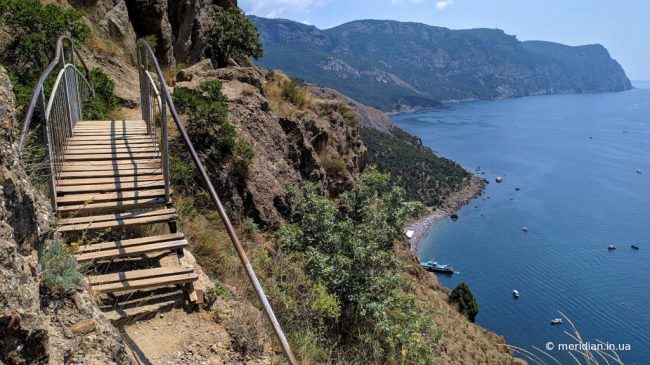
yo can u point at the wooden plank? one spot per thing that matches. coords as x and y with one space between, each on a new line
118 175
110 187
131 251
125 133
117 168
109 142
109 156
108 180
112 196
112 206
109 217
118 223
139 274
107 163
85 149
130 242
110 127
142 138
146 283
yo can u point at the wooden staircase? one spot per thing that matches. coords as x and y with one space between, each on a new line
109 184
111 179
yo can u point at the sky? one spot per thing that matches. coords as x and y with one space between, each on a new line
622 26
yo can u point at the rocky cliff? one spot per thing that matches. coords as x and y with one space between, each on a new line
312 143
397 66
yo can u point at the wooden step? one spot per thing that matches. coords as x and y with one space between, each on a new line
109 165
116 220
102 188
108 180
131 251
139 274
110 173
110 156
138 284
81 150
121 205
108 143
130 242
111 196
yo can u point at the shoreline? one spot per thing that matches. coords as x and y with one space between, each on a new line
453 203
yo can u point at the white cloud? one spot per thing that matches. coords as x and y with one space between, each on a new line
274 8
443 4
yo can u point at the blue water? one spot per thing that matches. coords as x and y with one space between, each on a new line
578 195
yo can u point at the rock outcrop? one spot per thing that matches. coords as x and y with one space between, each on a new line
321 147
35 327
180 27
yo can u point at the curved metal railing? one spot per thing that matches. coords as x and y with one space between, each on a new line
38 96
146 55
63 109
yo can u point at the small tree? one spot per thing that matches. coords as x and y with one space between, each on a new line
232 35
467 304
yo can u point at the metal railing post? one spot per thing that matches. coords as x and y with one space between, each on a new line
47 137
165 147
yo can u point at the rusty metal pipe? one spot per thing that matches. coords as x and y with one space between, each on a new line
222 212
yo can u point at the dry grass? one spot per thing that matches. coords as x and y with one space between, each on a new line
98 44
275 89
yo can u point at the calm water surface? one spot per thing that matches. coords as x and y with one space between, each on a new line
578 195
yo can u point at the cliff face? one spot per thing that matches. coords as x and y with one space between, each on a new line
396 66
313 144
180 27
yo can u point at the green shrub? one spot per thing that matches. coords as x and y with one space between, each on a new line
250 226
34 29
59 267
232 35
209 129
292 93
104 102
346 246
152 41
333 166
467 304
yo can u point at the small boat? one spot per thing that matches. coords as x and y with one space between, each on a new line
499 179
635 246
638 171
515 293
556 321
454 217
611 247
434 266
517 189
524 228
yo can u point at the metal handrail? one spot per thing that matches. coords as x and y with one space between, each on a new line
144 55
59 59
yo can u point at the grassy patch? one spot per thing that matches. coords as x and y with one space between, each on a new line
59 268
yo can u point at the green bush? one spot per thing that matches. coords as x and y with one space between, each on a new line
59 268
232 35
104 102
346 245
209 129
34 29
292 93
463 297
333 166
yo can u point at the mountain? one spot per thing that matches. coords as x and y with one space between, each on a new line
396 66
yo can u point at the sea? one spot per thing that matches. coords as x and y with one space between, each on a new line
576 174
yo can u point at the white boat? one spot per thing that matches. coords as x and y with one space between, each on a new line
611 247
524 228
556 321
499 179
515 293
